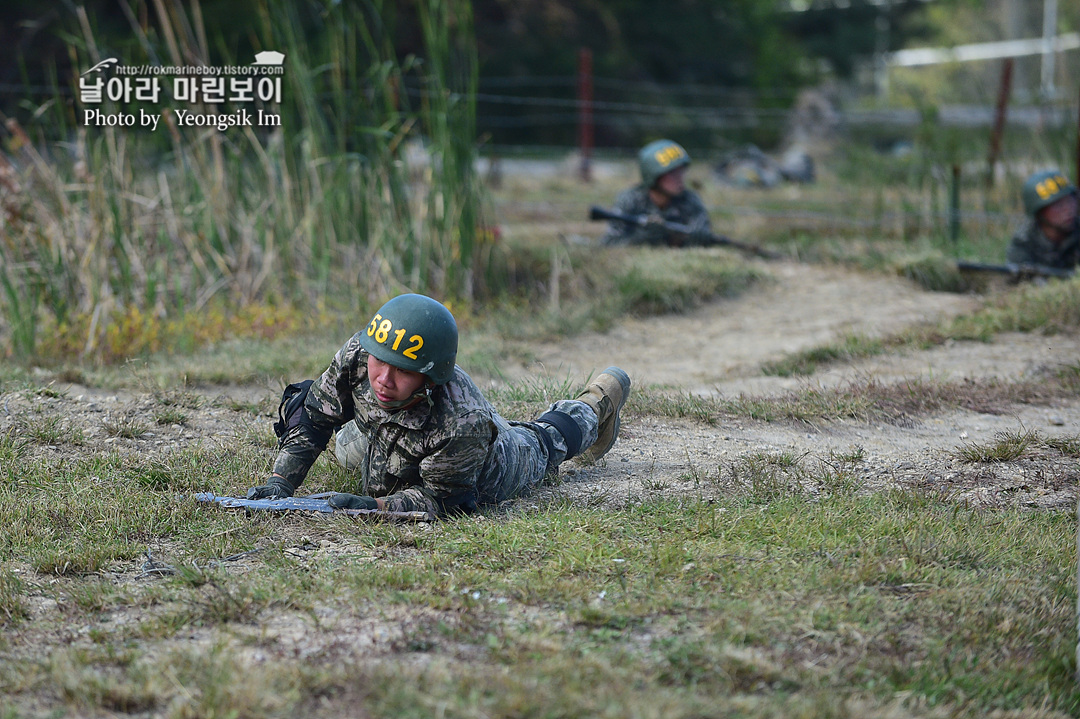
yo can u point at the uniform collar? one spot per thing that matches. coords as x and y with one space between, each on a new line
412 418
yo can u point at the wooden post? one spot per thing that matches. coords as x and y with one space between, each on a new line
999 119
585 112
954 206
556 273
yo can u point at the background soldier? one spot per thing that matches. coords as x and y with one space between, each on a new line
418 432
662 197
1051 237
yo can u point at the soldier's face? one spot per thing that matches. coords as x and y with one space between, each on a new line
390 383
672 183
1059 217
1062 213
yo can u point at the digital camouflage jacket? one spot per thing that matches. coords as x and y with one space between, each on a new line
1031 247
685 209
430 457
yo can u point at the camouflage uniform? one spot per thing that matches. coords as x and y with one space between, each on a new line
449 453
685 208
1030 246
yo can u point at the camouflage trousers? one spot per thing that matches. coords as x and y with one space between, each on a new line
519 457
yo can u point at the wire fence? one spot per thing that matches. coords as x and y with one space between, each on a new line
519 111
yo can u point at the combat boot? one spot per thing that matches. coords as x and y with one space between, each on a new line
606 395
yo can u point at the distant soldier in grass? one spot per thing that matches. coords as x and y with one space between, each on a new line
417 432
662 196
1051 236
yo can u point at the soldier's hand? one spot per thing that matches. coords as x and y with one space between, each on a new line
352 501
275 487
654 220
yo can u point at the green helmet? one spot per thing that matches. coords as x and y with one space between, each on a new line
1045 188
416 333
659 158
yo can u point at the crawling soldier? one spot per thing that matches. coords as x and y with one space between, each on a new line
417 431
1051 236
662 197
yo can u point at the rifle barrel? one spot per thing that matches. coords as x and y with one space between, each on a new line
1015 269
601 213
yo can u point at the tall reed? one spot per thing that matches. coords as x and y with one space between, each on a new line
327 209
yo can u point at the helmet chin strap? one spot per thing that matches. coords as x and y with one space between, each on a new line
667 196
423 393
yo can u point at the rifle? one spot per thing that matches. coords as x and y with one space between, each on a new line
1017 271
712 240
310 503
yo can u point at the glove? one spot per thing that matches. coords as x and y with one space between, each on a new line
654 220
274 487
352 501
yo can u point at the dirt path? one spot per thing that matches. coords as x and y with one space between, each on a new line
721 346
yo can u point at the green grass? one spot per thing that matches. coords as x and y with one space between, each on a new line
13 605
744 607
125 425
864 400
658 282
1049 309
597 288
51 429
775 585
1011 445
935 272
170 415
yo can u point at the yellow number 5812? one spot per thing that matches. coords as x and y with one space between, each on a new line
381 330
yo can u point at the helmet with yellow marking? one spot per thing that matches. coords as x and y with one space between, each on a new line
415 333
659 158
1044 189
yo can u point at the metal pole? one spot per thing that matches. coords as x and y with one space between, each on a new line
1050 12
881 49
585 112
999 119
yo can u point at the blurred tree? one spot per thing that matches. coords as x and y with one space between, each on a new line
36 40
734 42
754 51
842 33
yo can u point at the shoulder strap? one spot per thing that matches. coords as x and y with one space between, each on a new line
291 407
